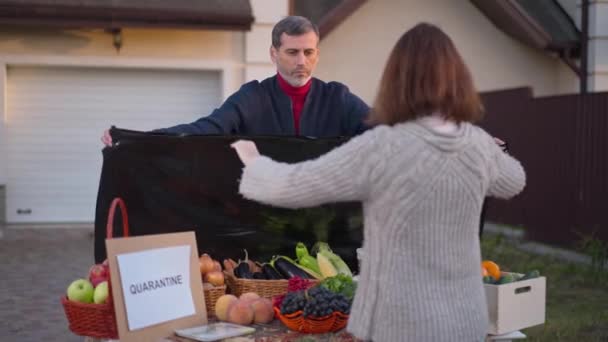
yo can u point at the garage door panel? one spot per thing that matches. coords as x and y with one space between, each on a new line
56 115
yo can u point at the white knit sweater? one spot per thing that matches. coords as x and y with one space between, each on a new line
422 192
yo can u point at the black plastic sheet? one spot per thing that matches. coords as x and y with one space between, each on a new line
183 183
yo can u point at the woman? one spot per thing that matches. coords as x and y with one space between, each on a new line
422 174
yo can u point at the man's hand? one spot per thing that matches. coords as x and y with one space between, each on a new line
106 138
246 150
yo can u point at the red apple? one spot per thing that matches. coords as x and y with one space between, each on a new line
106 265
97 274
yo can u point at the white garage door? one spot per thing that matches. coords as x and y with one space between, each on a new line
57 115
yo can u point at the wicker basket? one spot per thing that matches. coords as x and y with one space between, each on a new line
313 325
264 288
97 320
212 294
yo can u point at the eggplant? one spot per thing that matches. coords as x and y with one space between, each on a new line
270 272
289 268
259 275
242 270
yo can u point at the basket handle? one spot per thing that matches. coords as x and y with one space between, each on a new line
125 218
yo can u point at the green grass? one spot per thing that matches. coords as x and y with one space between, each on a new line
577 295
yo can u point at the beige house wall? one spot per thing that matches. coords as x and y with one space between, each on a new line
239 56
141 48
149 43
356 51
258 40
598 46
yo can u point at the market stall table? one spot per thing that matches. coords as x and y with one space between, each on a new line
277 332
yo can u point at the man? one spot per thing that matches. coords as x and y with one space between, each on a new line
290 103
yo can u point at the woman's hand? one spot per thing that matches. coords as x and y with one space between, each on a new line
246 150
501 144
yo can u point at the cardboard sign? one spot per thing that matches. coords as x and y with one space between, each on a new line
156 285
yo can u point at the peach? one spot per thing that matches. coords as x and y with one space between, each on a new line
222 304
262 310
249 297
240 312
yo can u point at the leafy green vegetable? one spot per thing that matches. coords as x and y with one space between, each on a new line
340 283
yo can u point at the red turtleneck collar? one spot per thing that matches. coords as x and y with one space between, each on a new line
297 96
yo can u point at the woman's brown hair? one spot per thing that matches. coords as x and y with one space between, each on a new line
425 74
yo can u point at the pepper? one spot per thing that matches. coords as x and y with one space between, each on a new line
301 250
305 259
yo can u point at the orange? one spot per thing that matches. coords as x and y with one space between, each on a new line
484 272
492 268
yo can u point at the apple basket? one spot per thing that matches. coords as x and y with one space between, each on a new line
97 320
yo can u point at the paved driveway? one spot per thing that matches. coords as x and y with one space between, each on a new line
36 267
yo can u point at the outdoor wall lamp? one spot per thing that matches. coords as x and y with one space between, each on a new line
116 37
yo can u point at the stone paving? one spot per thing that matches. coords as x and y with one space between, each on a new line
36 267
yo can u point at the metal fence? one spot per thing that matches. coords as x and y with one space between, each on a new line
562 142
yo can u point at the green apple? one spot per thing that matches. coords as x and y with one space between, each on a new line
101 293
80 290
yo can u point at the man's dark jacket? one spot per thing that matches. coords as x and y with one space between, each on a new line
262 108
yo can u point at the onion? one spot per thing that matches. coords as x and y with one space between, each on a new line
206 263
216 278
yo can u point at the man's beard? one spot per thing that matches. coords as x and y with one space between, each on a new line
299 81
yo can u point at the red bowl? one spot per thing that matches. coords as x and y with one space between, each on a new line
313 325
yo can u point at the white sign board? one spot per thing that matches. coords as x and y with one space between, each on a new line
156 285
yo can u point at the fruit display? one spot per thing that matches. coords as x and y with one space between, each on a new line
81 290
318 301
99 273
94 289
492 274
319 308
211 270
247 309
101 293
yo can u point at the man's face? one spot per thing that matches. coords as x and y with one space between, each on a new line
296 58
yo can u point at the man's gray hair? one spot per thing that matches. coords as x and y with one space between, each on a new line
292 26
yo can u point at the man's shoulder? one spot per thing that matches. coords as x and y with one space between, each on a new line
254 85
252 90
332 86
257 87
